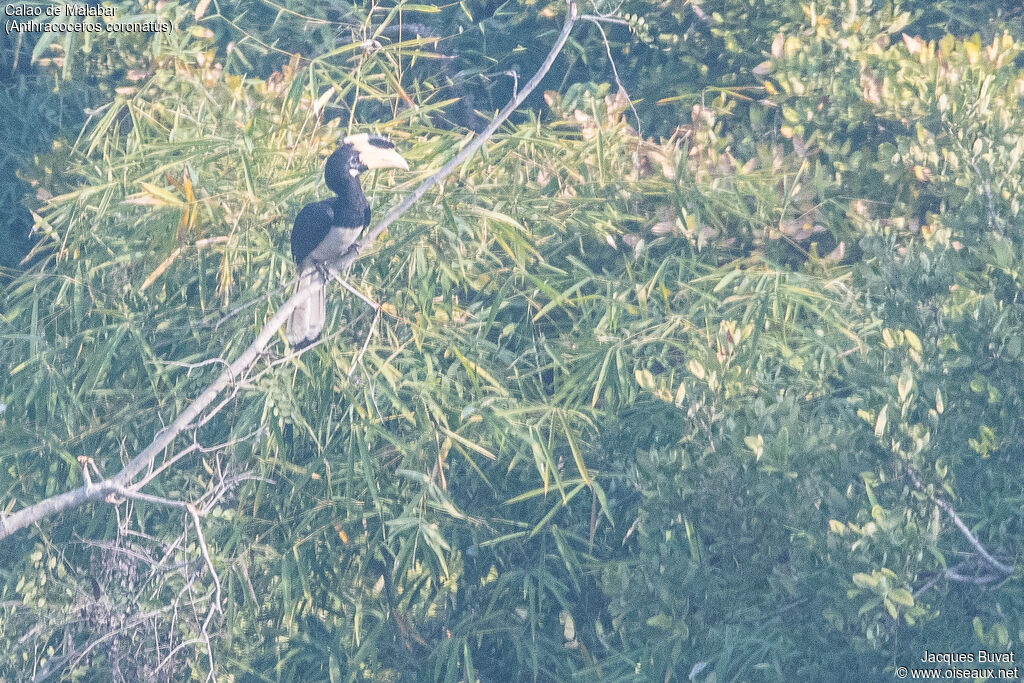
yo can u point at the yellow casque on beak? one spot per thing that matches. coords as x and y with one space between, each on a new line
375 152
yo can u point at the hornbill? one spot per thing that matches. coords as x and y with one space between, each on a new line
324 231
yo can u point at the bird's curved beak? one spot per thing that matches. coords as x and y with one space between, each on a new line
376 152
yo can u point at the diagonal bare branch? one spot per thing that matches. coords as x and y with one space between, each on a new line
143 462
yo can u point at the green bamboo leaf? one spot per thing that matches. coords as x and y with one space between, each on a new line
881 421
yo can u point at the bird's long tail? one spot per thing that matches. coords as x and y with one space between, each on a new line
308 318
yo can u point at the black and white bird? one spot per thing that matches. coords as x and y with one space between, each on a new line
324 231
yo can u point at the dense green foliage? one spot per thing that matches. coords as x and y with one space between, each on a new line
640 406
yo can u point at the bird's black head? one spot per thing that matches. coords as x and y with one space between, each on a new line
359 153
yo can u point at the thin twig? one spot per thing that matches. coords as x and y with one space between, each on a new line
202 449
193 513
971 538
931 582
191 509
366 342
367 300
615 72
133 622
235 311
145 497
604 19
191 366
978 580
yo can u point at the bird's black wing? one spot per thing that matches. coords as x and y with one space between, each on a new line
312 224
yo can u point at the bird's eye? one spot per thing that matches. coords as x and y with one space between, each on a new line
355 166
